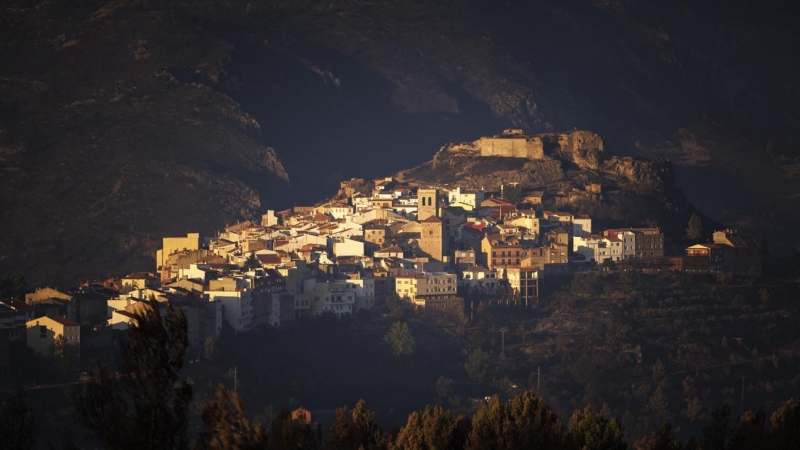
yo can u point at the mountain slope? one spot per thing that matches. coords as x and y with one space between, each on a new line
181 101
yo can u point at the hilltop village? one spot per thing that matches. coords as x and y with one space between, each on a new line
377 243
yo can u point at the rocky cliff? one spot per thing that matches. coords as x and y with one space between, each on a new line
104 150
632 188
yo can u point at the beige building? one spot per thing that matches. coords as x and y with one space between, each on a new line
171 245
46 293
375 233
427 203
42 333
524 282
503 251
434 238
527 220
425 284
645 242
140 280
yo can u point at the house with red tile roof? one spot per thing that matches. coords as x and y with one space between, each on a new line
43 332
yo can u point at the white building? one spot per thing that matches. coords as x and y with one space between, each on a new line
426 283
469 200
339 301
196 272
348 247
597 248
364 290
237 307
480 279
581 226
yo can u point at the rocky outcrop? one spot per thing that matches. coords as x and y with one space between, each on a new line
575 167
581 154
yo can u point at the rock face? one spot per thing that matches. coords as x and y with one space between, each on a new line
550 156
572 166
124 121
103 150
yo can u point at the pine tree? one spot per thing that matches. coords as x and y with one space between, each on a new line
65 356
18 423
695 228
658 404
694 409
478 365
146 405
355 430
13 285
400 340
716 434
226 426
785 426
524 422
749 432
663 439
591 431
211 347
433 428
252 262
444 389
281 431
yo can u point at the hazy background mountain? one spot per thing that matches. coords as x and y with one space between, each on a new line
124 121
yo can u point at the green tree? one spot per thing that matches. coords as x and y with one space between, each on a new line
281 431
658 404
64 356
433 428
400 340
694 410
478 365
211 347
13 285
523 422
716 434
252 262
749 432
785 426
226 426
591 431
512 193
444 389
663 439
354 430
695 228
146 405
18 423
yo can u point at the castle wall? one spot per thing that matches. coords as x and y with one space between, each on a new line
523 147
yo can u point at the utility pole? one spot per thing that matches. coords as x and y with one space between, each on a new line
503 339
235 378
741 403
539 381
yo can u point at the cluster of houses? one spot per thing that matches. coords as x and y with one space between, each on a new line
427 246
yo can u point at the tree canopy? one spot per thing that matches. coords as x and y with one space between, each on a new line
145 406
695 227
400 340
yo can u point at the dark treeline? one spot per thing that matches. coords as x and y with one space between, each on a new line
523 422
146 405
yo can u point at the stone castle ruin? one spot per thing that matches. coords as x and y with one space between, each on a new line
514 143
